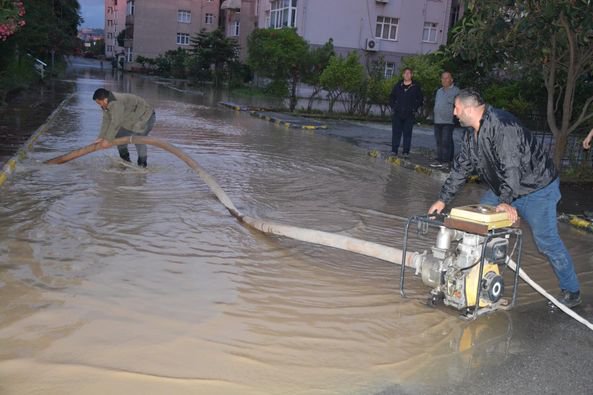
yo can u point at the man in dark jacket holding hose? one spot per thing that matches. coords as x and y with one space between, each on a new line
521 177
124 115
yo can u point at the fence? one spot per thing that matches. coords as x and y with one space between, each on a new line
574 155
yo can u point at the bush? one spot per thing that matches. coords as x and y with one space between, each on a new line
17 74
508 96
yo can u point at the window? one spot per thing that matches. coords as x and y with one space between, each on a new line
283 14
389 70
182 39
109 48
386 28
429 33
129 55
109 22
184 16
130 7
109 35
235 28
209 19
110 10
454 15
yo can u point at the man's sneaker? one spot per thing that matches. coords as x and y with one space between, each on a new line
569 299
436 165
405 155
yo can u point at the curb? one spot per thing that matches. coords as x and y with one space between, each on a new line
286 124
10 166
234 106
406 164
439 175
576 221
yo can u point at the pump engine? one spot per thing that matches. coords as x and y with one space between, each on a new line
465 268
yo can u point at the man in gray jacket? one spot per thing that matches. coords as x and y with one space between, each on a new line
124 115
443 121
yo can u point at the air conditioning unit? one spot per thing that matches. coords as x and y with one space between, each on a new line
382 1
371 45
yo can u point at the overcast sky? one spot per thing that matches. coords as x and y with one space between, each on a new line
93 13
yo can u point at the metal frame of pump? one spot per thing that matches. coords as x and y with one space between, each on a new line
425 222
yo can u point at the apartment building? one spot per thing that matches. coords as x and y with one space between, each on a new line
390 28
239 19
115 22
156 26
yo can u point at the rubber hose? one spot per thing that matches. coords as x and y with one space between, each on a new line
547 295
342 242
347 243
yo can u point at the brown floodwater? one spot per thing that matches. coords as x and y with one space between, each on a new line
117 280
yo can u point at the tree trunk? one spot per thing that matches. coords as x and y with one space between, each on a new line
293 96
316 91
560 143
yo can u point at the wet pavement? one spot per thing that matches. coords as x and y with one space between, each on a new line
123 280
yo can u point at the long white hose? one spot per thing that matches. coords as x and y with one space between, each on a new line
342 242
547 295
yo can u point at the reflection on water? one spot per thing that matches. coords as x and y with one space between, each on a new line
141 281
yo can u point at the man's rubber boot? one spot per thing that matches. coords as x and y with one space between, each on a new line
124 153
142 162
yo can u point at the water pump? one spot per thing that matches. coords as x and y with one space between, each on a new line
465 266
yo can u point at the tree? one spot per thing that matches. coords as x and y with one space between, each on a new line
379 86
11 17
343 76
317 60
50 26
214 49
125 34
278 54
549 37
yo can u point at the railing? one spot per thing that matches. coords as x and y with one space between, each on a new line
574 154
39 66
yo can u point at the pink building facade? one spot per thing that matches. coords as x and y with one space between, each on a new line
156 26
115 22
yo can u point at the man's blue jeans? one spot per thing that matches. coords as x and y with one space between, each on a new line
539 210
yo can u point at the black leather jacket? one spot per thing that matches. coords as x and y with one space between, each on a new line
505 155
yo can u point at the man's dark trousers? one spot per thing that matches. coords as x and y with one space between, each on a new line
401 126
443 134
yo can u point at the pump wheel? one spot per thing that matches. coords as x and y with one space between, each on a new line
434 300
493 286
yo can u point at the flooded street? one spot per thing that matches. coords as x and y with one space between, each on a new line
119 280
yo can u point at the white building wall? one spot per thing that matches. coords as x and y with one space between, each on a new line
350 23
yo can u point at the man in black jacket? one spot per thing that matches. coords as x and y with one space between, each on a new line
405 99
521 177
